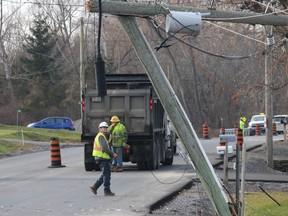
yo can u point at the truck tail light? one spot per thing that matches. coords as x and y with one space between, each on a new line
83 105
127 151
150 104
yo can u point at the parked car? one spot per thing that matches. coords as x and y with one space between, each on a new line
279 120
257 119
54 122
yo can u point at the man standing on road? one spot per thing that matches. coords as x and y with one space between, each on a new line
118 137
103 155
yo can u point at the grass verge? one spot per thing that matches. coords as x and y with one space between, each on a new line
9 133
258 203
7 147
38 134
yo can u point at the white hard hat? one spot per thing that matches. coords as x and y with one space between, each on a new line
103 124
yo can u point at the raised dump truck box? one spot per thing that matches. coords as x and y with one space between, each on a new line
132 98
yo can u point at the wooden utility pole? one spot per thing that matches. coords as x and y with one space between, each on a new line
268 104
150 10
177 115
82 74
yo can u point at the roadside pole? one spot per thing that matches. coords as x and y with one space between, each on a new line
268 102
225 178
237 176
17 123
285 132
22 137
82 74
243 180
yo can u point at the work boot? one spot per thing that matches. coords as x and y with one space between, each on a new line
119 169
109 194
113 168
93 189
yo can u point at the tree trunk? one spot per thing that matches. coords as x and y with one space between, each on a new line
8 71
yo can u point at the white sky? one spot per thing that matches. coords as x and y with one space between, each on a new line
25 6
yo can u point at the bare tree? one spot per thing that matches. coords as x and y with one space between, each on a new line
8 26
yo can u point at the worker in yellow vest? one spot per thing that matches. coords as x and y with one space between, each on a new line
103 154
242 123
118 138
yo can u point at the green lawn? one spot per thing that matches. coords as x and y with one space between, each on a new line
38 134
32 134
260 204
7 147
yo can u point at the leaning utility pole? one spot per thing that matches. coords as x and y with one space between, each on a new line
177 115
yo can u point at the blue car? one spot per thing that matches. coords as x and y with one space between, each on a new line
54 122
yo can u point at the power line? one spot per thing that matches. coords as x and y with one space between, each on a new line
237 18
234 32
213 54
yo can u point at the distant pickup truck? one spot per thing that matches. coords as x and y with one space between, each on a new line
280 121
257 119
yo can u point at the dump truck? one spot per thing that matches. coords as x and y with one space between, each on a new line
133 99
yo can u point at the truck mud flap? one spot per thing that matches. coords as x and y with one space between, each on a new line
147 156
154 161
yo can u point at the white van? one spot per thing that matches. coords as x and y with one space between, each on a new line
279 120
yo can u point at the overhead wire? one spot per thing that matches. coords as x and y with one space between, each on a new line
234 32
203 69
237 18
226 57
205 51
197 48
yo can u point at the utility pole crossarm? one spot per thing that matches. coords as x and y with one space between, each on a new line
149 10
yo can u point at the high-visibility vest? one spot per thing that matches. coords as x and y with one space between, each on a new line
118 135
97 149
242 124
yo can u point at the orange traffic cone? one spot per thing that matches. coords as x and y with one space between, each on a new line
55 154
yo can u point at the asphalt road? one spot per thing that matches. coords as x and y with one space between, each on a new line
28 187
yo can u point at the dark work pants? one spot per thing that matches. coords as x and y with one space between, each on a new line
105 177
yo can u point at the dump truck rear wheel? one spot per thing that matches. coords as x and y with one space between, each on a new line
88 158
141 165
88 166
